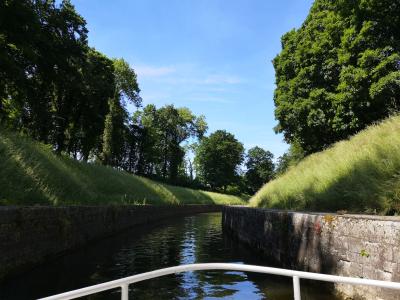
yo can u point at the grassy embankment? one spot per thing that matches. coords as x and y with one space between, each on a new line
361 174
31 174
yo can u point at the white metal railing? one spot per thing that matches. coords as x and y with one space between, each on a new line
123 283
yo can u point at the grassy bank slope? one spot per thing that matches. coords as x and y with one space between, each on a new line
359 175
31 174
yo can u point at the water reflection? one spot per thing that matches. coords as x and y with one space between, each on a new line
187 240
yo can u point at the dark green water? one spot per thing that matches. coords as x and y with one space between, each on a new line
185 240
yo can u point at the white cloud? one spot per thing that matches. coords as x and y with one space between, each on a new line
210 99
185 83
186 74
221 79
152 71
214 81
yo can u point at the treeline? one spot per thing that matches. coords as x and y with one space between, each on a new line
53 86
58 90
336 74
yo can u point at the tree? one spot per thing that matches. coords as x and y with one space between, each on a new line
260 168
115 134
283 164
166 129
289 159
19 25
56 88
85 135
116 122
52 85
339 72
218 158
126 85
66 52
190 150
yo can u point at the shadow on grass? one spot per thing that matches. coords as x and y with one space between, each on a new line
32 174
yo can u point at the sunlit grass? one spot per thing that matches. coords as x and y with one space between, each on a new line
31 174
361 174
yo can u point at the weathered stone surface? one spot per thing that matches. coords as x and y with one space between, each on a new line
347 245
29 235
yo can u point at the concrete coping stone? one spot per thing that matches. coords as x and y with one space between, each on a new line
345 215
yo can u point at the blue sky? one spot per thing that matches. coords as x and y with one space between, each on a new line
211 56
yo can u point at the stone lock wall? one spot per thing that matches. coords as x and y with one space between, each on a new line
348 245
30 235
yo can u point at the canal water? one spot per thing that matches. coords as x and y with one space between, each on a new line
192 239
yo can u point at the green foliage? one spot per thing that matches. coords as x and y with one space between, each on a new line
166 129
30 173
114 134
364 253
339 72
86 138
218 158
289 159
283 164
260 168
52 85
358 175
126 82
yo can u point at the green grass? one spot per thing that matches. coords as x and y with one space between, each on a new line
361 174
31 174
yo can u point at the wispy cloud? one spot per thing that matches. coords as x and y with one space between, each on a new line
218 100
199 80
186 74
152 71
180 82
165 96
222 79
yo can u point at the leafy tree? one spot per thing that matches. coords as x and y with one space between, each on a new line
115 128
165 130
339 72
44 57
145 147
126 85
190 150
67 54
85 133
16 57
260 168
218 158
115 133
283 164
291 158
52 85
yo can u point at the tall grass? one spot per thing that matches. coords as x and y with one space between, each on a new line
361 174
31 174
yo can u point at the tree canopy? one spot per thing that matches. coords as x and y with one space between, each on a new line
166 129
218 158
53 86
339 72
116 131
259 168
